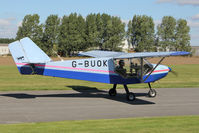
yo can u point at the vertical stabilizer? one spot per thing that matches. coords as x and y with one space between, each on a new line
26 53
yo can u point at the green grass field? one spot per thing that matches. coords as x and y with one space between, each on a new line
10 80
188 76
180 124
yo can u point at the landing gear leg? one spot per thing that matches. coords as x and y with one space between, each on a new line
113 92
129 95
152 92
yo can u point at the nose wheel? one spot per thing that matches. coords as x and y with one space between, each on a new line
152 92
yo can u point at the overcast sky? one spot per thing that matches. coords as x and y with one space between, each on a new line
12 12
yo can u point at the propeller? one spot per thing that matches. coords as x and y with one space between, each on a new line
173 72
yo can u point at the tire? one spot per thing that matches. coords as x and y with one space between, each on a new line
112 92
152 93
130 96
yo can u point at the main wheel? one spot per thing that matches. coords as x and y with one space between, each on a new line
152 93
112 92
130 96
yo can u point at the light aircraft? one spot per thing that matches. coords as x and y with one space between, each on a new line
30 59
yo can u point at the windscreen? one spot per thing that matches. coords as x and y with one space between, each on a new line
130 68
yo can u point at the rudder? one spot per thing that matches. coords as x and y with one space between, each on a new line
26 54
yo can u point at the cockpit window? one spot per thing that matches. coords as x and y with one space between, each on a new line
130 68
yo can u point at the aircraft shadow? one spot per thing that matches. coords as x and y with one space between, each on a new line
86 92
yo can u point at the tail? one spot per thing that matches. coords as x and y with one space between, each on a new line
27 55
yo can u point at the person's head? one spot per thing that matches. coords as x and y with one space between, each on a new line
121 63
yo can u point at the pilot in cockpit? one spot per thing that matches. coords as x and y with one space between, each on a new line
134 70
120 69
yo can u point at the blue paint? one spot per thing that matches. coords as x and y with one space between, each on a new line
26 70
94 77
180 53
115 79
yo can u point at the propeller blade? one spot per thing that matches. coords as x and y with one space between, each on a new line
174 73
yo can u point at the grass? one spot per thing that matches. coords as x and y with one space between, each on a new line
188 76
179 124
11 80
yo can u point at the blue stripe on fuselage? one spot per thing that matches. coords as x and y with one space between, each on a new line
94 77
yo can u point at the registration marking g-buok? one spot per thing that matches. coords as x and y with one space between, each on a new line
90 63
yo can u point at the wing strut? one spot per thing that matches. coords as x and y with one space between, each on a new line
141 63
154 69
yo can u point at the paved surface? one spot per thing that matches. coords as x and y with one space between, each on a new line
78 104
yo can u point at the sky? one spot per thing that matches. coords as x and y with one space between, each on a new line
12 12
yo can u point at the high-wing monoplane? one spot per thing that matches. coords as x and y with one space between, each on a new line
105 66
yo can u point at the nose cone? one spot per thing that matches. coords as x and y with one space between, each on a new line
169 69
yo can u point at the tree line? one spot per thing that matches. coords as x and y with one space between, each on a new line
73 33
171 35
6 40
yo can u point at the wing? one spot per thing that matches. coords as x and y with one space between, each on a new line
100 54
122 55
153 54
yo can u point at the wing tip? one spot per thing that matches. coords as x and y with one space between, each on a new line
180 53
